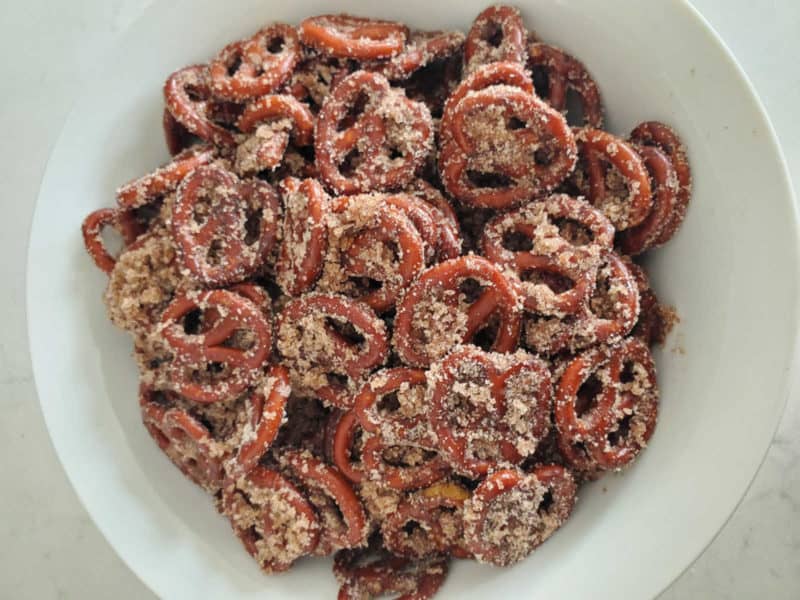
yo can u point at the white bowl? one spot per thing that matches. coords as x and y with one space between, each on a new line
725 373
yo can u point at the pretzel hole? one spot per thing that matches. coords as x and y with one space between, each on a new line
492 34
588 396
355 110
353 451
276 44
203 206
580 449
388 403
158 397
240 339
234 64
482 449
628 373
574 232
336 513
481 179
145 214
621 433
484 338
350 163
344 330
195 93
366 284
541 80
306 152
251 534
155 363
616 183
517 241
555 281
544 156
471 289
252 227
214 369
214 254
515 123
406 456
192 321
574 108
337 380
547 503
112 240
430 83
328 509
602 303
412 528
225 114
394 153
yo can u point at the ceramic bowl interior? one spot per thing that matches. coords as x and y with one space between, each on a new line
724 374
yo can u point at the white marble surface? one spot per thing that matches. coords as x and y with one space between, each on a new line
50 548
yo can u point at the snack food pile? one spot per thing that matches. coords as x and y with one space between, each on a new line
384 298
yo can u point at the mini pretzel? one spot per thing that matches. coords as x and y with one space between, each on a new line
267 512
497 34
531 151
424 526
266 408
613 177
391 403
165 179
230 313
185 440
609 314
557 276
563 72
256 66
486 409
346 527
270 120
92 228
375 233
441 283
409 467
313 347
187 93
381 146
584 401
212 220
305 235
490 531
664 183
605 424
346 36
635 410
412 580
653 133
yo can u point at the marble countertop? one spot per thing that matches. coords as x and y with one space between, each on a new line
51 549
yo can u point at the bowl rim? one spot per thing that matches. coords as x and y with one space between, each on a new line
772 140
794 358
